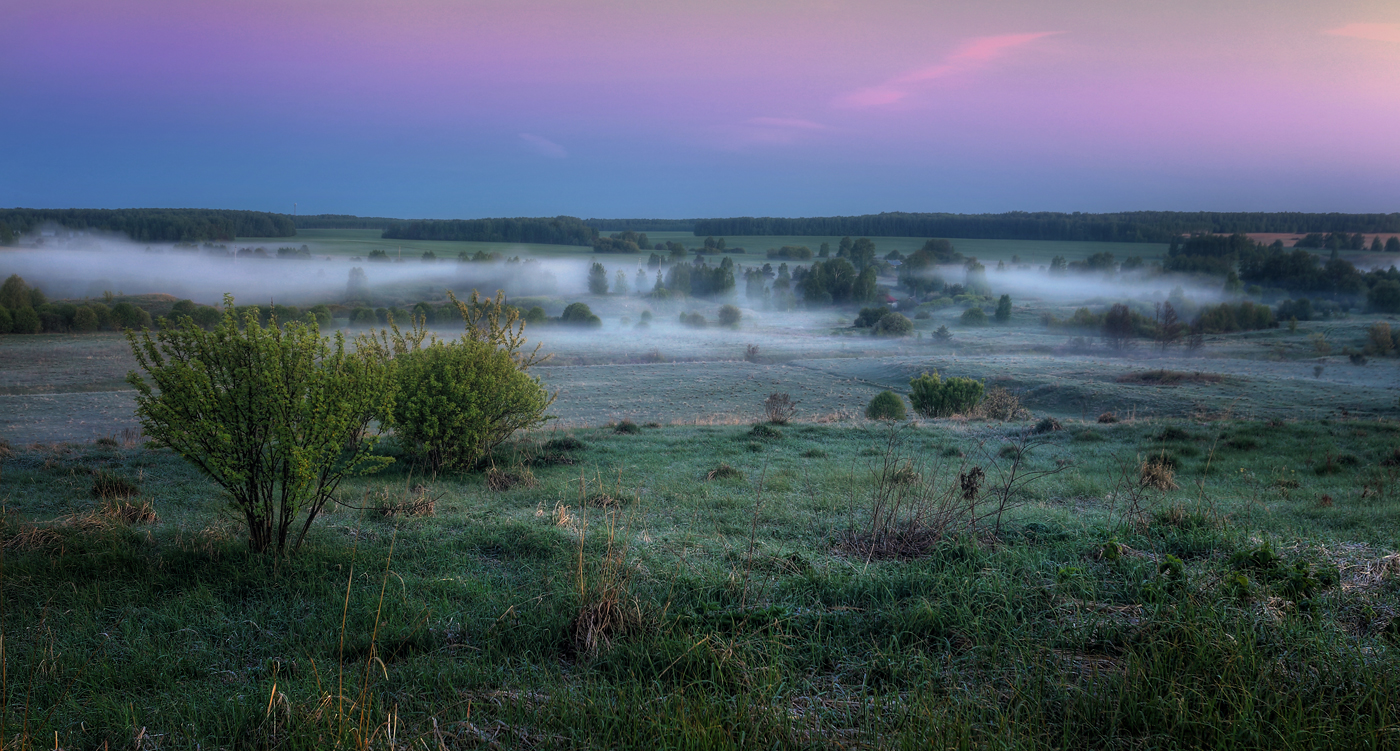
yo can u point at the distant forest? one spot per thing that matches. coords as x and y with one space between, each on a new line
642 225
156 225
560 230
1130 226
342 221
197 225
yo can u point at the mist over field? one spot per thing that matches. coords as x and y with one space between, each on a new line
102 264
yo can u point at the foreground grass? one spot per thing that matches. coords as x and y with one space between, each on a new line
613 596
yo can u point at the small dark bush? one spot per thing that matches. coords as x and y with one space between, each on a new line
886 405
565 443
893 324
1047 425
1173 433
724 472
627 427
765 432
1108 418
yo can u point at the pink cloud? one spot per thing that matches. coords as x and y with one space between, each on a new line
968 57
1378 32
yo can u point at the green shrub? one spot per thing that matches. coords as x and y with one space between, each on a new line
6 320
25 321
85 319
579 314
934 397
894 324
459 399
870 316
128 316
973 317
886 405
274 416
729 316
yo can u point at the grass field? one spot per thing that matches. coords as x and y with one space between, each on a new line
1211 564
621 599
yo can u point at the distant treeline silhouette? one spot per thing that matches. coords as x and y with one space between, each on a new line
342 221
1129 226
560 230
642 225
156 225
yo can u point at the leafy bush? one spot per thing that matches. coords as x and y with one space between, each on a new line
459 399
934 397
893 324
6 320
886 405
274 416
729 316
579 314
870 316
25 321
973 317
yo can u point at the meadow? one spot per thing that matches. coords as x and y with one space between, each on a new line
1181 548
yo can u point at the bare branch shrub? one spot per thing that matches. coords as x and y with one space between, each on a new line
779 408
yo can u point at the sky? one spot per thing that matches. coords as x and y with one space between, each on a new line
661 108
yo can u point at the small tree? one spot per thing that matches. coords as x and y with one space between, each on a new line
729 316
273 415
1003 313
1118 326
934 397
597 279
886 405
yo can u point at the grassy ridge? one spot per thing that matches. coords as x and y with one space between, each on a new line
614 597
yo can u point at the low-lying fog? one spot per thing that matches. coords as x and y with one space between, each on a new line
93 265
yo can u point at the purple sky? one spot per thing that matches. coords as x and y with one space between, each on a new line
464 108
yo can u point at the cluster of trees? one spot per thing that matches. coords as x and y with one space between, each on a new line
641 225
341 221
835 282
560 230
626 241
156 225
281 435
1131 226
1343 241
26 310
884 322
1293 271
1226 318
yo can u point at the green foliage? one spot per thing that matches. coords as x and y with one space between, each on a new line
158 225
458 399
729 316
14 293
579 314
274 416
870 316
597 279
1003 313
933 396
26 321
886 405
973 317
6 320
893 324
1226 318
1384 297
127 316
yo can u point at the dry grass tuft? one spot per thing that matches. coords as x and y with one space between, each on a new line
501 480
6 451
129 512
390 504
723 472
1156 473
108 486
779 408
31 537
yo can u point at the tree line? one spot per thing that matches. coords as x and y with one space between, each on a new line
156 225
559 230
1130 226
